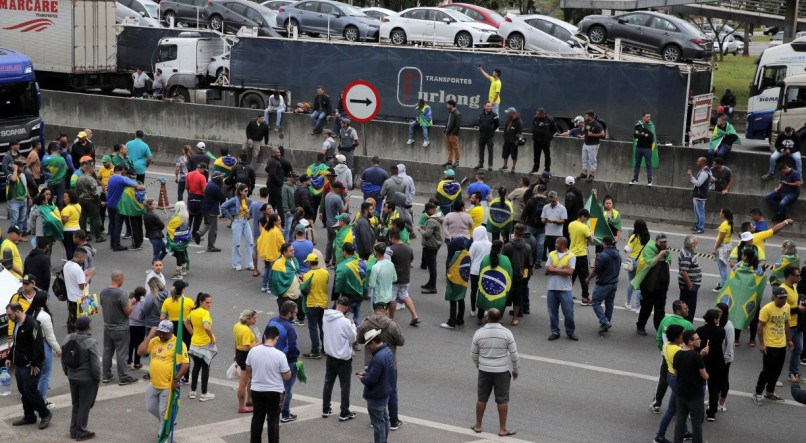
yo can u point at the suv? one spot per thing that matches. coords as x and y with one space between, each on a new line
183 11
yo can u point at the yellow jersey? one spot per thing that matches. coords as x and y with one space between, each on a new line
775 320
198 317
161 367
171 308
495 90
243 335
579 233
669 350
72 213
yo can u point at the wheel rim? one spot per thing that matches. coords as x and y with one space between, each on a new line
463 41
170 15
215 23
671 54
351 34
596 35
295 24
516 42
398 37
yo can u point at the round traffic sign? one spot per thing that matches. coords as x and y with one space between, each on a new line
361 101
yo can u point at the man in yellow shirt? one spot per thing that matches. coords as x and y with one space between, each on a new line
11 259
314 288
774 338
477 211
790 284
495 87
161 350
580 237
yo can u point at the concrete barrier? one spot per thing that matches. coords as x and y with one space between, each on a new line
170 125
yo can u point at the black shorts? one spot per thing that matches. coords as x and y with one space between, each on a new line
498 381
509 150
240 359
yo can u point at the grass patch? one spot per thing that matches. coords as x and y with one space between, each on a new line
734 73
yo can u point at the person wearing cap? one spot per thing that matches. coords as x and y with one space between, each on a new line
543 130
774 339
314 289
487 123
82 147
378 378
786 193
257 133
512 133
289 207
654 261
225 163
452 129
57 166
199 155
214 197
196 183
448 191
11 258
285 281
25 297
11 157
750 239
104 173
348 142
329 146
84 379
115 191
796 308
164 377
343 172
787 144
90 202
339 336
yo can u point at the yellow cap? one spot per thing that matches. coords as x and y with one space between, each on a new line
311 257
82 134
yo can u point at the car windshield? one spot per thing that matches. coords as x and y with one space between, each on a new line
458 16
269 17
18 100
153 10
351 11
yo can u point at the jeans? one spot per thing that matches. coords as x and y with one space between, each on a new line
430 262
32 401
342 369
379 419
315 315
631 291
794 357
266 407
540 241
82 395
158 248
671 410
266 280
211 229
794 156
393 417
644 154
778 201
317 118
278 115
606 294
285 410
116 342
689 296
693 408
773 363
415 124
287 227
486 143
46 371
115 225
241 230
652 300
721 151
565 300
16 214
723 270
699 213
180 190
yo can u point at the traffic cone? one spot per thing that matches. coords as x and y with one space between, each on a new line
162 202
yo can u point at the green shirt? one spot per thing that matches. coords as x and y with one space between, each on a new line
673 319
57 167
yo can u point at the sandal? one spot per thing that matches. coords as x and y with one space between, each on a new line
475 429
751 343
255 273
515 323
247 410
508 433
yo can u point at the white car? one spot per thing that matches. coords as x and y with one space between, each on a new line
777 39
729 45
217 65
122 13
540 33
275 5
378 13
438 26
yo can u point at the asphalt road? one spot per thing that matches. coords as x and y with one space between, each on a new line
597 389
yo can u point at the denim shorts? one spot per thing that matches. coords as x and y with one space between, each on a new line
400 292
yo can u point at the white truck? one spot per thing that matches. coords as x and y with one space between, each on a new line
791 108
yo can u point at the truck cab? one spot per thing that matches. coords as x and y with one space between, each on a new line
184 60
774 65
791 108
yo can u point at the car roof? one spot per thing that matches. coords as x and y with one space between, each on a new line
466 5
147 2
379 9
547 18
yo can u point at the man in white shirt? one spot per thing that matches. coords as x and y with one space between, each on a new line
267 367
277 107
75 280
139 80
553 216
560 268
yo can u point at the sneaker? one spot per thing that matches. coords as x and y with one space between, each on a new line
207 396
661 440
604 328
396 426
327 413
473 314
446 326
489 168
126 236
721 408
50 405
779 384
633 182
767 176
213 249
290 418
107 379
627 306
347 416
192 395
299 322
136 248
503 169
127 380
649 183
237 268
573 337
263 289
757 399
312 355
176 277
553 337
586 302
426 143
477 167
717 288
641 331
688 436
773 396
410 141
654 408
710 417
455 165
697 231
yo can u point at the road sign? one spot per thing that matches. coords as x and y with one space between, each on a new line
361 101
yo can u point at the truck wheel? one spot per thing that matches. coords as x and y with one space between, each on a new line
217 23
180 91
671 53
515 41
464 40
168 15
252 101
398 37
351 34
597 35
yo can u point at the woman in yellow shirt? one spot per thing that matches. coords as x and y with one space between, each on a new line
71 213
724 243
244 341
268 246
202 344
635 244
170 310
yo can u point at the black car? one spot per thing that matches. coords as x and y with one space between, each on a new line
229 16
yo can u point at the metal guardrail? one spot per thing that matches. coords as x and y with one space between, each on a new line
772 7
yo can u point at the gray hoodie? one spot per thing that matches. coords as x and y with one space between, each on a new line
392 186
344 175
391 334
432 232
401 172
339 335
90 367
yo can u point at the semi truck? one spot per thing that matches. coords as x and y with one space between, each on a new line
790 110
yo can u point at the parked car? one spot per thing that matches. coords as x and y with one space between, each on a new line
477 13
228 16
275 5
729 44
378 13
123 12
777 39
437 25
315 17
146 8
540 33
182 11
673 38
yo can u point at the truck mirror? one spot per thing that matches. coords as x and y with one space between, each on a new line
754 90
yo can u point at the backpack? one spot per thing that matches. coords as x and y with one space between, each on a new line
603 123
59 287
71 354
240 174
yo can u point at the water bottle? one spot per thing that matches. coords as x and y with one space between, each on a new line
5 382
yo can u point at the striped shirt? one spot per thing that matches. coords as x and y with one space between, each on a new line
688 262
493 348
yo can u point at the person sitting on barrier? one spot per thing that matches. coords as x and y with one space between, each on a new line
422 120
787 144
786 193
321 108
722 139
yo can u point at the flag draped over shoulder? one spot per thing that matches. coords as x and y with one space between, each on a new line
317 172
172 409
494 283
597 221
458 276
51 222
645 259
343 235
283 272
783 262
501 216
655 160
719 134
132 202
742 293
448 191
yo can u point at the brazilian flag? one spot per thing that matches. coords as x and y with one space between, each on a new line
51 222
317 172
494 283
448 191
458 276
501 216
132 202
783 262
597 221
224 164
651 128
172 409
742 293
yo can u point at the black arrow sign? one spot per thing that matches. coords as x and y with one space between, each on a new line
365 101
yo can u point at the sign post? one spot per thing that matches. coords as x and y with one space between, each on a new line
362 103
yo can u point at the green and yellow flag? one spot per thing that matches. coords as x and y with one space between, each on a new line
597 221
783 262
501 216
655 160
742 293
172 409
51 222
448 191
494 283
132 202
458 276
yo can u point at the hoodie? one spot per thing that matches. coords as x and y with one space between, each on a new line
393 185
433 237
520 256
339 335
479 249
364 237
391 334
344 175
380 377
401 172
608 266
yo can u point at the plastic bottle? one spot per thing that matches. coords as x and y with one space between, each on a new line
5 382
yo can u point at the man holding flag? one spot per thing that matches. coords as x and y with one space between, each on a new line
644 148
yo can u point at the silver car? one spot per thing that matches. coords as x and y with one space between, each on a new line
540 33
315 17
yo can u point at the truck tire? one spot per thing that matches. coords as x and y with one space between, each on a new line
464 40
351 34
217 23
597 35
168 15
397 36
180 91
671 53
253 100
515 41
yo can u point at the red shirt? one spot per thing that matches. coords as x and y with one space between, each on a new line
195 183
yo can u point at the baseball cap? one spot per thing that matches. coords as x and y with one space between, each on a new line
449 173
14 230
380 305
217 174
293 174
201 146
86 159
578 119
370 335
342 218
326 131
779 292
660 238
81 134
202 165
341 158
82 323
106 158
181 284
346 120
511 109
570 180
304 223
746 236
299 228
28 278
311 258
165 326
546 175
344 301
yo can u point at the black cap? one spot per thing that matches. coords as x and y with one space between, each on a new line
180 284
14 230
344 301
201 165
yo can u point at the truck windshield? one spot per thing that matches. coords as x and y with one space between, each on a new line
18 100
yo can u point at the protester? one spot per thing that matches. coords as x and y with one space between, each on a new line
83 371
340 334
727 352
712 337
314 287
774 339
137 330
487 124
679 311
140 155
606 270
287 343
674 341
723 245
245 340
378 378
237 209
432 240
722 139
519 253
452 127
177 239
691 374
203 348
402 258
214 197
168 364
543 130
560 268
422 120
652 277
644 148
174 307
268 369
700 193
786 193
786 145
512 138
116 308
689 274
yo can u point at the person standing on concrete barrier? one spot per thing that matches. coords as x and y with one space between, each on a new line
700 193
786 193
348 142
488 124
512 138
321 109
643 143
543 130
257 132
594 132
494 95
422 120
786 145
452 127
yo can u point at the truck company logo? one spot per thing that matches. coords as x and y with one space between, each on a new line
48 6
410 89
10 132
36 25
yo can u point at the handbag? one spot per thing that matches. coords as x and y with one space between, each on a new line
629 263
87 305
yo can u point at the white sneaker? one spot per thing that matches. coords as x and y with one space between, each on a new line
410 141
400 306
207 396
627 306
472 312
192 395
263 289
779 383
446 326
722 408
426 143
637 309
237 268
